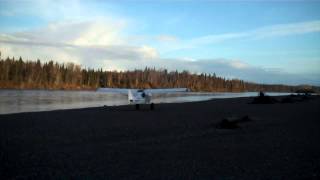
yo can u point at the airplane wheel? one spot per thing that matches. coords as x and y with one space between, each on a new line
137 107
152 106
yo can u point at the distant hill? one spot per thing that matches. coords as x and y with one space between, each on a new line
19 74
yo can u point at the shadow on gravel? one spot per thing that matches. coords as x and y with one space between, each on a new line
230 123
263 99
296 98
127 108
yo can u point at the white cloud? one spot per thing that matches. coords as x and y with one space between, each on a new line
101 43
238 64
81 42
286 29
260 33
222 67
148 52
49 10
100 32
209 39
167 38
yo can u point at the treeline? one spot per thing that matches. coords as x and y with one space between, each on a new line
21 74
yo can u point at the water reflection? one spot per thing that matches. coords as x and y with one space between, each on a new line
14 101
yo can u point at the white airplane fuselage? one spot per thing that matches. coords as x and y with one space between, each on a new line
139 97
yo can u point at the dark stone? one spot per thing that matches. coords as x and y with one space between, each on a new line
263 99
226 124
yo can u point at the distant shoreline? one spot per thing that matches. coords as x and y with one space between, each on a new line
51 89
52 75
95 89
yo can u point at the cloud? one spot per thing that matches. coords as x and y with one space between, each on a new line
50 10
286 29
79 42
84 33
238 64
101 43
166 38
259 33
222 67
129 58
209 39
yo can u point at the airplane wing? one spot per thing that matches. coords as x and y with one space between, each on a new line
152 91
167 90
114 90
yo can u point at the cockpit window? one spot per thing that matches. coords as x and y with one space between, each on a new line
140 90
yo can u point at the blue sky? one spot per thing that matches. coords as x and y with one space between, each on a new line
254 40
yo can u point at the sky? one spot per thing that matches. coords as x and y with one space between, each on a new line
272 42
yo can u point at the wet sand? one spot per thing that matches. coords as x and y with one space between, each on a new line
175 141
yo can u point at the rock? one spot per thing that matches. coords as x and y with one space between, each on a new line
226 124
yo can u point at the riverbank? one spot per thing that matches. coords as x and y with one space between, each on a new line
175 141
18 101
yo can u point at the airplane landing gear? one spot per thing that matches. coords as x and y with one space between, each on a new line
151 106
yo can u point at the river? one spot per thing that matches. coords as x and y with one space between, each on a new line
16 101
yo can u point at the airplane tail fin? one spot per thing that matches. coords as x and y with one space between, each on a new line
130 96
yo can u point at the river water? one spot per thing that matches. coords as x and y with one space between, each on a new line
15 101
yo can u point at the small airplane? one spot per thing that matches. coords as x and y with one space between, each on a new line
142 96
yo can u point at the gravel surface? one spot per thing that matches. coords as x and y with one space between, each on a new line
174 141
